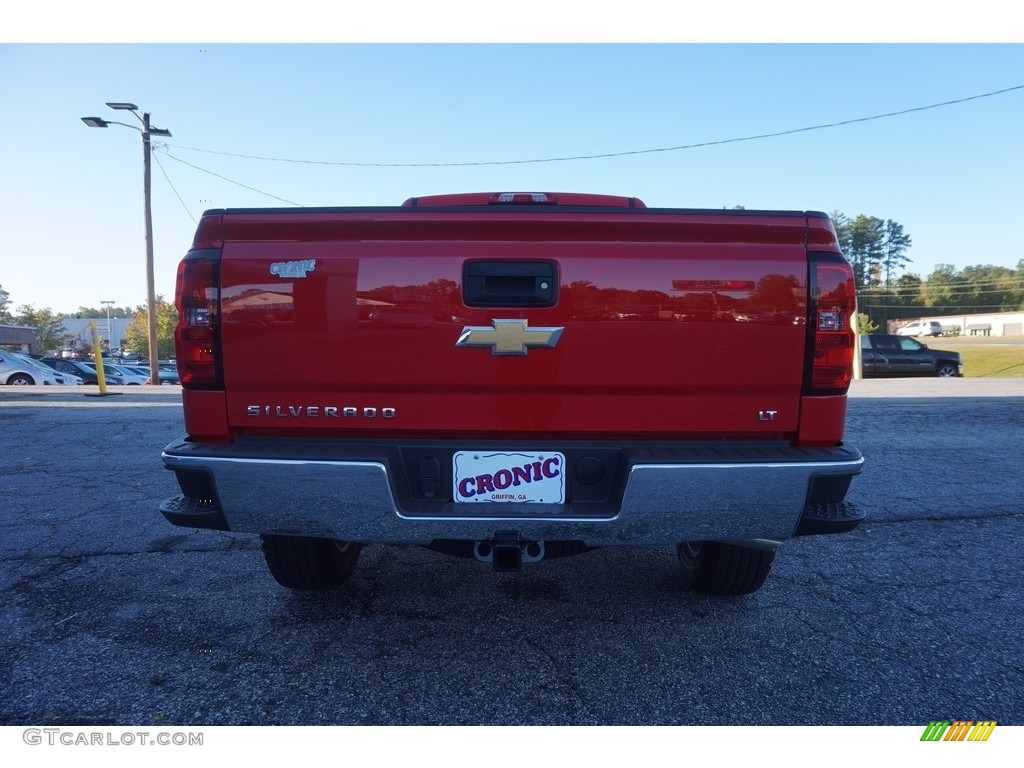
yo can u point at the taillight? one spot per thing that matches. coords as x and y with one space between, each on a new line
210 232
830 336
197 335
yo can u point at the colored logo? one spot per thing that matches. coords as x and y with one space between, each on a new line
958 730
292 268
508 337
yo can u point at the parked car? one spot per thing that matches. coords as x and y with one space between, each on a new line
66 379
125 373
70 379
18 370
168 373
921 328
884 355
79 368
169 376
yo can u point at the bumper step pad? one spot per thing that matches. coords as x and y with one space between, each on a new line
194 513
830 517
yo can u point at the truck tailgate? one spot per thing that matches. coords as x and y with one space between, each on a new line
667 325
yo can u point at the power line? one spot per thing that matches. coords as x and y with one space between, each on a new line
610 154
225 178
955 292
161 166
995 285
961 307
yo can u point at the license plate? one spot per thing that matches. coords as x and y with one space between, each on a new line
497 478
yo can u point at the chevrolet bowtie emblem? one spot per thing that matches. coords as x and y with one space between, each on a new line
508 337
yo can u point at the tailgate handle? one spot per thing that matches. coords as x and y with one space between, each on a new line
510 283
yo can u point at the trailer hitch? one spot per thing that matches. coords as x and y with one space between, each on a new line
507 551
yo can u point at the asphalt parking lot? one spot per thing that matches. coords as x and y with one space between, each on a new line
111 616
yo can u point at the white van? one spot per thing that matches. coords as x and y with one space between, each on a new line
921 328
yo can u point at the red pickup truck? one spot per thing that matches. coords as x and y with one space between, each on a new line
515 376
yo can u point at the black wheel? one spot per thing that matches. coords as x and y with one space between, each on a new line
946 369
21 380
301 562
717 568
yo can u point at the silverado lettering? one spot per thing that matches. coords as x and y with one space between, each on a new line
327 411
573 371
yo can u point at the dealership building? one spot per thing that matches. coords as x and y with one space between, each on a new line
993 324
17 338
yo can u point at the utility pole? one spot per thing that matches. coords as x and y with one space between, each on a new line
147 131
154 358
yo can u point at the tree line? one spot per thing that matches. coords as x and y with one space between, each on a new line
878 250
976 290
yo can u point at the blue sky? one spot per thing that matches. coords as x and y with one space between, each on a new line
72 197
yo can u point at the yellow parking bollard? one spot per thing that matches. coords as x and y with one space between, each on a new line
97 355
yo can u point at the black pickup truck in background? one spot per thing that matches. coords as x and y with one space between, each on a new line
883 355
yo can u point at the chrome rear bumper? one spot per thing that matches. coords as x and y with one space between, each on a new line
709 494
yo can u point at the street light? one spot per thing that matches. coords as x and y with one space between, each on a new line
147 131
110 336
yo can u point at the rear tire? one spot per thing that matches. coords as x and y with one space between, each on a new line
307 563
718 568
